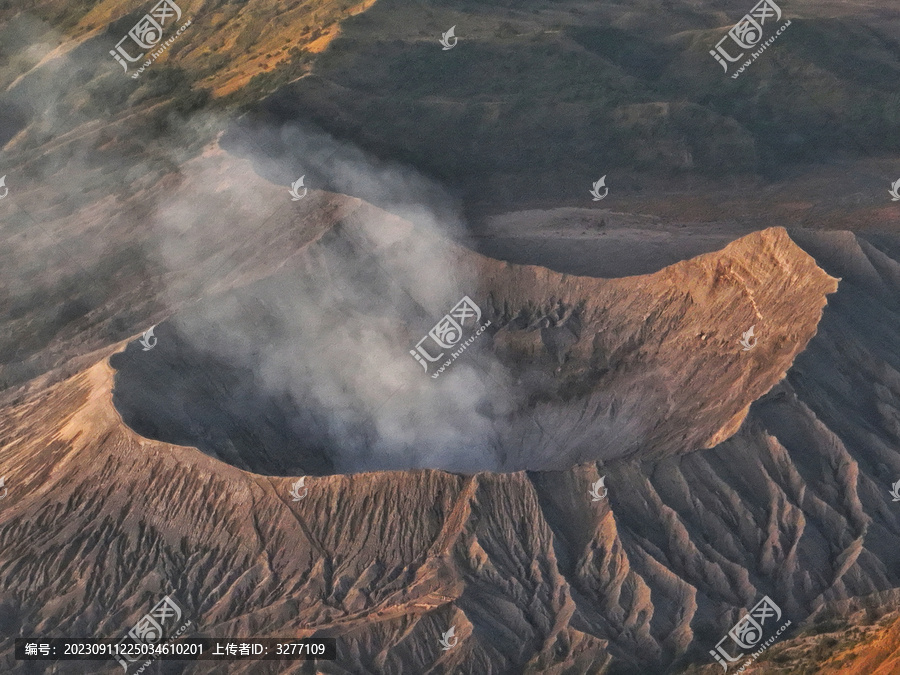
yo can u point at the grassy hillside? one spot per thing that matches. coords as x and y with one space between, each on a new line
227 45
536 100
865 643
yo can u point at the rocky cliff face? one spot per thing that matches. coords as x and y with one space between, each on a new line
534 575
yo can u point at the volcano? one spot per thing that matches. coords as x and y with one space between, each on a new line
694 528
437 403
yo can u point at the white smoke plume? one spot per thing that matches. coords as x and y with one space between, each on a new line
340 325
336 329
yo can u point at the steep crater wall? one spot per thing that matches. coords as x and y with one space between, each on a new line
309 372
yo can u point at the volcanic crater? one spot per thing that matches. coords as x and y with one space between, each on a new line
308 372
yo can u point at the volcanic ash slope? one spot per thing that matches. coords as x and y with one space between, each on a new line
100 523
